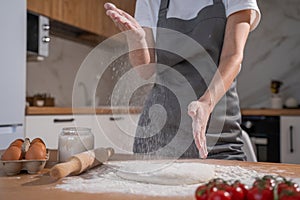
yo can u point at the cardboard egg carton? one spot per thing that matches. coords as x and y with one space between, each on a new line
14 167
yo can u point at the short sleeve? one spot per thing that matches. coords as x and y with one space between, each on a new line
146 12
233 6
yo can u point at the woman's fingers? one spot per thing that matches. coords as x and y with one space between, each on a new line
196 132
198 114
108 6
199 137
119 20
192 108
122 20
114 13
203 147
112 8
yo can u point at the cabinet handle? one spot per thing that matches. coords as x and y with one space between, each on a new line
115 118
291 140
63 120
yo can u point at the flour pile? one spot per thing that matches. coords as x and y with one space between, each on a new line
107 179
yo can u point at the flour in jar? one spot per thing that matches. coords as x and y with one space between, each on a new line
74 140
107 179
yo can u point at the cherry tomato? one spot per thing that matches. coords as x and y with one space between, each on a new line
265 182
242 186
215 188
201 193
289 195
287 186
236 193
290 198
219 195
212 189
257 193
217 184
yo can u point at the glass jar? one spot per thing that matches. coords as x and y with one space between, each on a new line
74 140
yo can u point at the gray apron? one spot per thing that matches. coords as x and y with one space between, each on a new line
188 53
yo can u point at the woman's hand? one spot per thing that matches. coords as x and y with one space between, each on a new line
138 39
125 22
199 112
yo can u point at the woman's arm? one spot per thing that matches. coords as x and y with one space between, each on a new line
143 57
140 40
236 34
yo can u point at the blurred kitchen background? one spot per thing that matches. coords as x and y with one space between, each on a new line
45 76
272 53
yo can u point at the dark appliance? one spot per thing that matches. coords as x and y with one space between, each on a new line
264 132
37 35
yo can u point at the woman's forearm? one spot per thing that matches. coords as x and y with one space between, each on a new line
139 50
142 53
236 34
222 80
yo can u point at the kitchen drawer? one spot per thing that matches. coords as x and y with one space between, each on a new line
290 139
48 127
116 131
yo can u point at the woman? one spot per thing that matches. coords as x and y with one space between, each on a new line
221 27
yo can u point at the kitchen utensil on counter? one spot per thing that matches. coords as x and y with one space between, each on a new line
36 99
74 140
40 103
81 162
291 102
276 100
275 86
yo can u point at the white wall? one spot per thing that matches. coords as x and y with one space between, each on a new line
56 74
272 52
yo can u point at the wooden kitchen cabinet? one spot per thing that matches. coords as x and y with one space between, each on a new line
48 127
50 8
88 15
290 139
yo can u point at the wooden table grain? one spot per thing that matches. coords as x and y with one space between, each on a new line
81 111
42 187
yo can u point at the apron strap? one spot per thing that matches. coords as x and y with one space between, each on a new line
217 1
164 6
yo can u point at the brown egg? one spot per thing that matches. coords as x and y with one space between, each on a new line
12 153
17 142
39 140
36 151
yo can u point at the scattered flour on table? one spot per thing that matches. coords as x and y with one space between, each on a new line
105 179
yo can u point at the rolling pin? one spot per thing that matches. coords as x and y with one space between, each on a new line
81 162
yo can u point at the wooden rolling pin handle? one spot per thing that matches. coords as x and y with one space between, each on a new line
65 169
81 162
110 151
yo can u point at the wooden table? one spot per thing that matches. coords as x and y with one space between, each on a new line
42 187
137 110
271 112
78 111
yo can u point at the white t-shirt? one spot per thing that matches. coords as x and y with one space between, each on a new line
146 12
